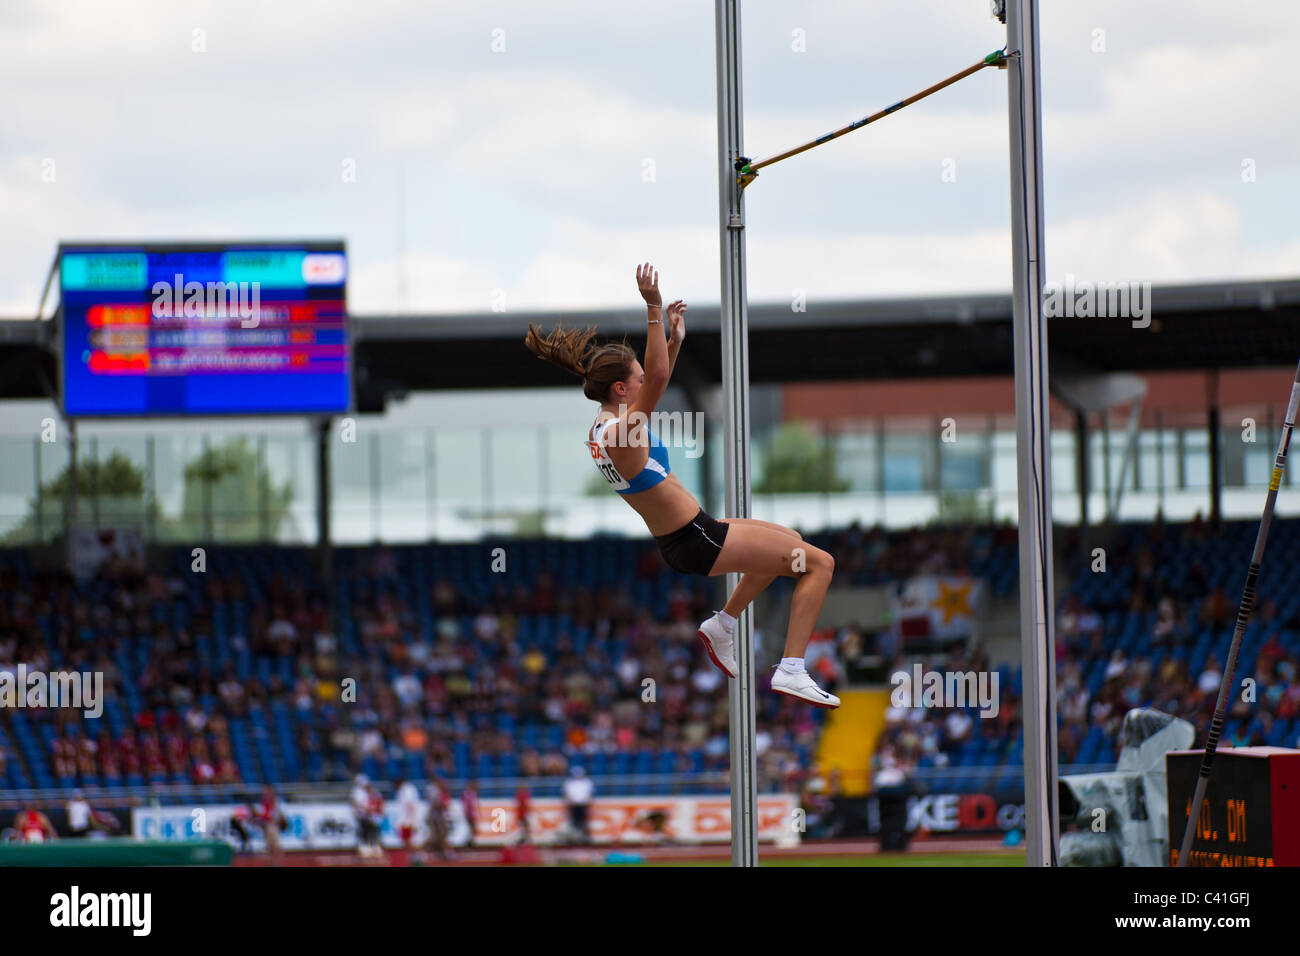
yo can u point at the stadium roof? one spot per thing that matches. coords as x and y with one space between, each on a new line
1206 326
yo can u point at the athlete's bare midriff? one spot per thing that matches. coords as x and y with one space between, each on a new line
665 507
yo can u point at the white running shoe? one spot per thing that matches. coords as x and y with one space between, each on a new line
802 686
720 645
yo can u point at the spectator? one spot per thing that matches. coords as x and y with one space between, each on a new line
362 809
523 807
408 811
271 818
469 802
79 819
817 807
578 791
957 727
1208 683
32 826
240 820
439 825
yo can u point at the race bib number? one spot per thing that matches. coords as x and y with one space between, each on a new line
602 460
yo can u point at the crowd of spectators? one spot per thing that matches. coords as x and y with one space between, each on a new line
411 696
447 690
394 694
1171 611
875 555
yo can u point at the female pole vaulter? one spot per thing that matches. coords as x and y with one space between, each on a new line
635 463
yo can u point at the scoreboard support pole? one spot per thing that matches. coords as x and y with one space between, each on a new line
49 284
324 492
71 501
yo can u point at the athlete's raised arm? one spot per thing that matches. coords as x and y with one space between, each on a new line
676 332
657 366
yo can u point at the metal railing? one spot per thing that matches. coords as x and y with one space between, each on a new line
672 784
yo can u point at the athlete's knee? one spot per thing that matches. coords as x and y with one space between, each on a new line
813 560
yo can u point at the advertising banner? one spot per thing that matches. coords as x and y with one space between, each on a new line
610 820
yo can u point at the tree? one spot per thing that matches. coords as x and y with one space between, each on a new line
230 477
112 488
116 475
797 461
971 507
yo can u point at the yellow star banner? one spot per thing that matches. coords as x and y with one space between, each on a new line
954 601
931 606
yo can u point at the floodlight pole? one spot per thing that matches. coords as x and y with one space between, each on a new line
735 394
1033 436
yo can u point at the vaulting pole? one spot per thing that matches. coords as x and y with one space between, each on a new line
1227 681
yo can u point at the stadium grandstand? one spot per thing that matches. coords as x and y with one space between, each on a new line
433 590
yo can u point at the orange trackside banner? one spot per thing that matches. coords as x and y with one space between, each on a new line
615 820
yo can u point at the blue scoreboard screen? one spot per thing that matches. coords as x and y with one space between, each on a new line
231 329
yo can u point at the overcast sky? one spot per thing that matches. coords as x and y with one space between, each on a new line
525 170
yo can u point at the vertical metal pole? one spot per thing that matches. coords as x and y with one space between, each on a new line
879 467
40 497
1160 464
735 394
1037 605
151 498
1105 465
544 473
828 457
485 443
986 474
1214 425
72 505
936 432
1082 477
209 472
263 490
94 489
324 502
1180 449
431 480
1129 455
376 490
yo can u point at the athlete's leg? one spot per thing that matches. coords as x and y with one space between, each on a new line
765 553
752 585
763 524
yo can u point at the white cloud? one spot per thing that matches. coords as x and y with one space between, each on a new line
1169 237
431 282
524 169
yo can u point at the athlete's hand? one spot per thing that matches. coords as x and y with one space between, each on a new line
647 281
677 321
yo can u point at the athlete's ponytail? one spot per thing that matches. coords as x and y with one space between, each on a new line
599 366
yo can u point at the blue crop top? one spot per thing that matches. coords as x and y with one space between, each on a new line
656 467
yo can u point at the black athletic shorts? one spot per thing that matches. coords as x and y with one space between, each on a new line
693 547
